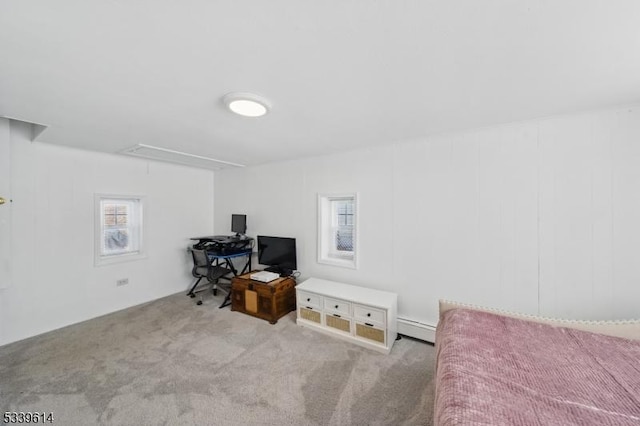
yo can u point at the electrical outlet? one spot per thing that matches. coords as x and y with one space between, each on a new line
123 281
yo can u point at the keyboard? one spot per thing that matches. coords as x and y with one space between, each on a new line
223 238
265 276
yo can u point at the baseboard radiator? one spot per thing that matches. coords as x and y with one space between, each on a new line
417 330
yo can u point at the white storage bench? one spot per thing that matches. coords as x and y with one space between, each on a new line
361 315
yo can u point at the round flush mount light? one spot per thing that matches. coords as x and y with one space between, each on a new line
247 104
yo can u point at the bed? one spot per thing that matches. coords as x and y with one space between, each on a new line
499 368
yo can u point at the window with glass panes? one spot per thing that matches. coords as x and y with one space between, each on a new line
343 211
337 229
116 237
120 226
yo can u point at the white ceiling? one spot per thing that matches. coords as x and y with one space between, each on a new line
110 74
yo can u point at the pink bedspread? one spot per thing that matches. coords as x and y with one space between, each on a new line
495 370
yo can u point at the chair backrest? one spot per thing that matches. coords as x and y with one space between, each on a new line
200 258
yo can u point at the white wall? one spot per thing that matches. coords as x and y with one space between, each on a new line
540 217
55 282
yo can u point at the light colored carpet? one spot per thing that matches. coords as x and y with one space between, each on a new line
170 362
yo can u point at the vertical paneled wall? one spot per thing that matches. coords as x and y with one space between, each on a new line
539 217
55 282
471 200
589 209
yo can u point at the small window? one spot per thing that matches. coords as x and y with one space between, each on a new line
119 221
337 231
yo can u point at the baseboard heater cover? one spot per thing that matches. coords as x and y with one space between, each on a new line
417 330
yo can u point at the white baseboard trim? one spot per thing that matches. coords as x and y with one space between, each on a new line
418 330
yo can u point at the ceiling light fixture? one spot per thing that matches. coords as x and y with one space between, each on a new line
247 104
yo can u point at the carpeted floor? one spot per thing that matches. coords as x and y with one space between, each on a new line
171 362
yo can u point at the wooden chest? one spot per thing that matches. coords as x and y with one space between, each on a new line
269 301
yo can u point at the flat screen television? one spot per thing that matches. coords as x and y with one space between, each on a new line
239 223
278 253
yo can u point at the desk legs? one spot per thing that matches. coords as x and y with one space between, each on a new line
226 301
191 292
247 266
227 264
234 271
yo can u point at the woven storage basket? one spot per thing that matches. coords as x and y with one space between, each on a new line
370 333
339 323
310 315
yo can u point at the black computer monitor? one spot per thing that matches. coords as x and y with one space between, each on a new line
239 223
278 253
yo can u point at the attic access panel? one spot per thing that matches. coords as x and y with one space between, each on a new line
177 157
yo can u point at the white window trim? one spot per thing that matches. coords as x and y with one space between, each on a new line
101 260
326 254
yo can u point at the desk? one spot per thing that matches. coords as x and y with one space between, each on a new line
222 243
221 249
218 257
223 260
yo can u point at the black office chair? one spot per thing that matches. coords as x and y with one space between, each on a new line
203 268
